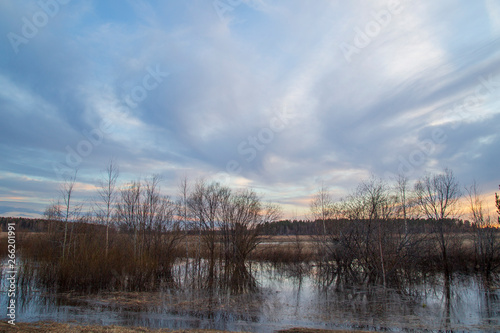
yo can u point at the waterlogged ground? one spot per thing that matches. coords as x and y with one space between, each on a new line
284 300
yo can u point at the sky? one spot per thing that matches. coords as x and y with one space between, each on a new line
279 96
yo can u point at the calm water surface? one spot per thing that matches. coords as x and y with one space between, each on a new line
284 300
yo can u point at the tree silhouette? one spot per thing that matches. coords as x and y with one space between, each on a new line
497 201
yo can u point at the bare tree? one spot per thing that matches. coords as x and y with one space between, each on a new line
229 225
158 223
70 212
476 206
242 215
151 205
53 213
322 206
408 243
405 200
107 192
128 210
497 204
270 212
204 203
487 249
163 230
438 197
322 209
182 208
373 246
378 209
150 217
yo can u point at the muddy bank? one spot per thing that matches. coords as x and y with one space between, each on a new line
73 328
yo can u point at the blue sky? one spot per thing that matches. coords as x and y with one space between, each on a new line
281 96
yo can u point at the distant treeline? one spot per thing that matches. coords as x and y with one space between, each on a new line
278 228
24 224
310 228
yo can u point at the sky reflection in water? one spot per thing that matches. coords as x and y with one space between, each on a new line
284 300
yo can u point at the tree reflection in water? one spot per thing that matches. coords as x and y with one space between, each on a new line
282 296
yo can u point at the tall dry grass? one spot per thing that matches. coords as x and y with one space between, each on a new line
3 246
286 250
86 267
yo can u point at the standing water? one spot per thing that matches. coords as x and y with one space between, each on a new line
285 298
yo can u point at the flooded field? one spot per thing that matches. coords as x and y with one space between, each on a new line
284 299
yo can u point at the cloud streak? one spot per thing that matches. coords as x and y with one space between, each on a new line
228 80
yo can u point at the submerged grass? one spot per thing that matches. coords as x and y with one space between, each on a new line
86 267
152 262
43 327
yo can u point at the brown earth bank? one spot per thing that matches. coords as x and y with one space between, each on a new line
77 328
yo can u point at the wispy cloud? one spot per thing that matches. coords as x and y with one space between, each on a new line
229 79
